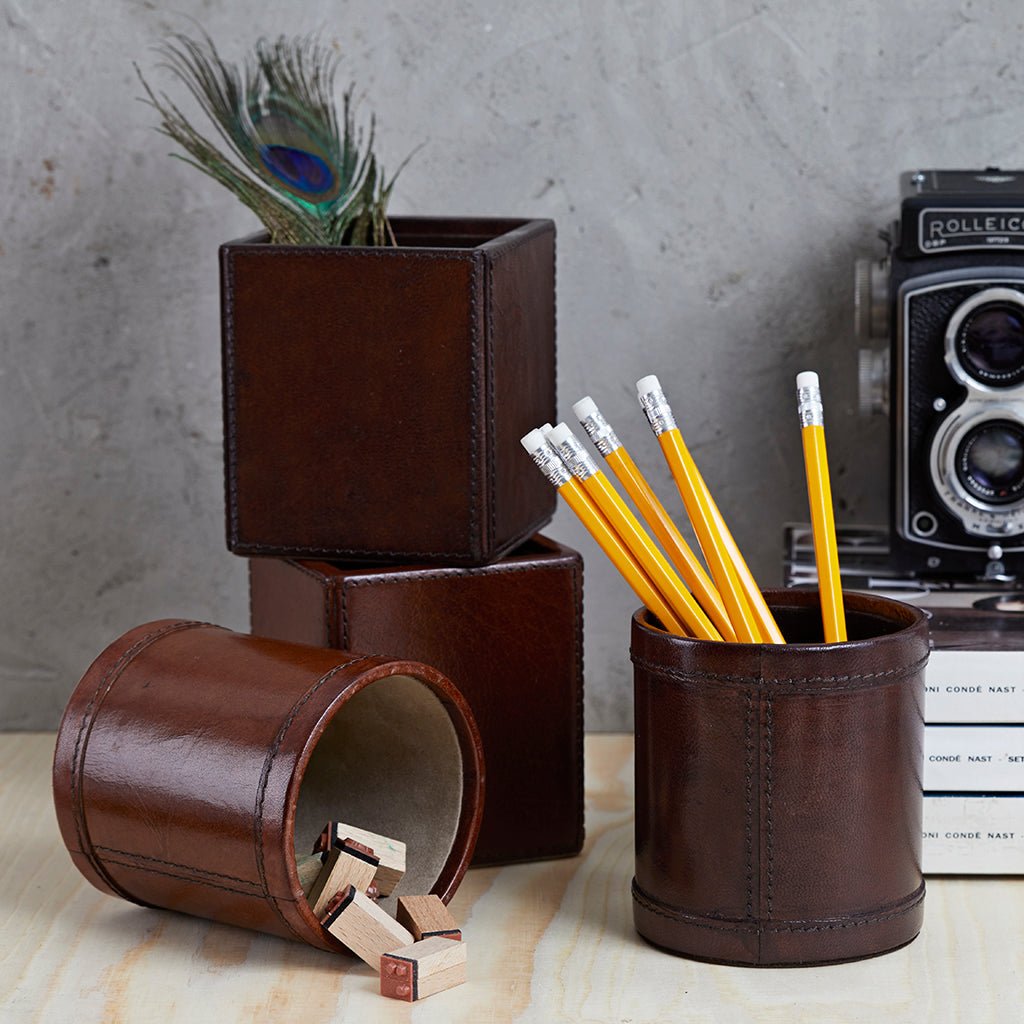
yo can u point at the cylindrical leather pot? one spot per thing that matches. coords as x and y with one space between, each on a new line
192 762
778 788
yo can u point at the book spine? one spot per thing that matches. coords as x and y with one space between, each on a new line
974 686
973 834
974 758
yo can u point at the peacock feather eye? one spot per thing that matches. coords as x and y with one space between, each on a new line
304 173
310 175
292 155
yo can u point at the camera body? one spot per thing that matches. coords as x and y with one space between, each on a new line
948 297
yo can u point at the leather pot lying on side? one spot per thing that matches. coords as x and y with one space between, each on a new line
192 762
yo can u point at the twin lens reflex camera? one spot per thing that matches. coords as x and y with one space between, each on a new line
948 299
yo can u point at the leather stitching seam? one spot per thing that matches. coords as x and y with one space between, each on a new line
263 250
577 586
230 402
321 552
268 765
426 575
748 927
191 881
474 400
343 599
491 482
854 680
174 864
769 825
297 549
748 790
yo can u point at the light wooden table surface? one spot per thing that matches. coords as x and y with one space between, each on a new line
548 942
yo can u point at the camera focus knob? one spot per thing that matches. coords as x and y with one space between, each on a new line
871 299
873 382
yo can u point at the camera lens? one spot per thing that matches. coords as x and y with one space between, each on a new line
990 462
990 344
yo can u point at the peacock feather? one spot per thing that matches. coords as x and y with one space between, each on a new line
308 182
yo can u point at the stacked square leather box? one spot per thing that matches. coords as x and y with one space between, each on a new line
373 404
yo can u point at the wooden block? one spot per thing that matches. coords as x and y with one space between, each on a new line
353 918
343 866
417 971
308 868
426 917
390 852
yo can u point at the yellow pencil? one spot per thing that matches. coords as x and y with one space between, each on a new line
606 441
751 591
632 534
599 528
819 495
707 521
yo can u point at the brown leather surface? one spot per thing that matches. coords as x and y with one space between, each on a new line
778 789
508 635
374 398
180 756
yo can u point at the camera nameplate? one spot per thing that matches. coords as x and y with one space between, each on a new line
960 229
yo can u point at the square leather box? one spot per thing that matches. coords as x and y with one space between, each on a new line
374 397
509 635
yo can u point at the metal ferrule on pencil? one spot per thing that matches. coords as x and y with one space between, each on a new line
657 410
600 432
812 412
574 455
550 464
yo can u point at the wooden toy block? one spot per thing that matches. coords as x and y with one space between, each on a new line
390 852
353 918
426 917
343 866
417 971
308 869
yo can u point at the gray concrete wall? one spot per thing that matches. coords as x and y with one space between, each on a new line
713 169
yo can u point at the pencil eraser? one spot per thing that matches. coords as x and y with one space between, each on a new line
807 379
585 407
532 441
645 385
560 434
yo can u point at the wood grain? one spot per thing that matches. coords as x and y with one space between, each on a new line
551 942
423 969
366 928
426 916
338 872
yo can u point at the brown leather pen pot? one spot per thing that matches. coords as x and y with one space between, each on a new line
778 788
192 762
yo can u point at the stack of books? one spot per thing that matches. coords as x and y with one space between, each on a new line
974 704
